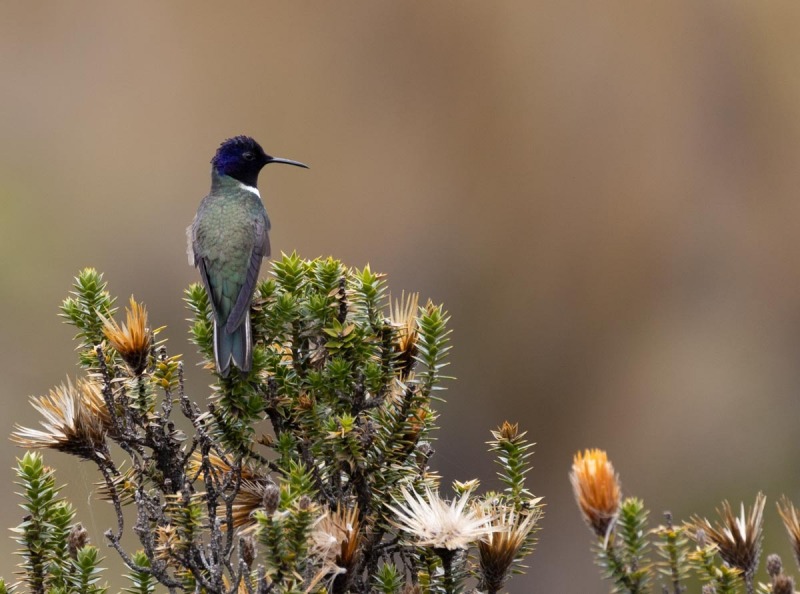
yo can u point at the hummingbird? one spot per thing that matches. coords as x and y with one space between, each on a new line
227 241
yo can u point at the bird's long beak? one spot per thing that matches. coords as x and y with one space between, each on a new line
287 162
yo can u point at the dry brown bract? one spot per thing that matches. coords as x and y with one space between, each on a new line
738 538
500 548
335 541
75 421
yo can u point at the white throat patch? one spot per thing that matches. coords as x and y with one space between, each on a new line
250 189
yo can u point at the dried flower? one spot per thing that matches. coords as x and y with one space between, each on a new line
77 539
92 398
774 565
248 499
75 421
789 515
738 539
436 523
596 488
271 498
252 489
217 464
305 503
132 340
783 584
403 316
336 539
499 549
247 550
507 432
168 543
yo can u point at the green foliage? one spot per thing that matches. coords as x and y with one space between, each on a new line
298 476
83 309
36 534
497 563
86 574
286 530
388 579
672 544
285 535
186 514
513 452
142 582
623 557
327 348
702 559
45 536
59 525
717 575
202 328
433 345
727 580
632 527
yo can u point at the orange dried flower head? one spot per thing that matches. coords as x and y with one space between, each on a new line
596 488
132 340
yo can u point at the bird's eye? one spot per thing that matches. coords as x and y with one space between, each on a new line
248 156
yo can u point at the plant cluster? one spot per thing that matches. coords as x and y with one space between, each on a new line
722 555
310 473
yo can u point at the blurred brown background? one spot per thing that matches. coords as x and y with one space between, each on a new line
604 196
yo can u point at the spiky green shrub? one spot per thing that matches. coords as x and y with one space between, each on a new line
310 473
55 555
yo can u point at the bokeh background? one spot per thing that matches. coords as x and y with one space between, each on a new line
604 195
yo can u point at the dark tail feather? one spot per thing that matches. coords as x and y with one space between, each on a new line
235 347
242 349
